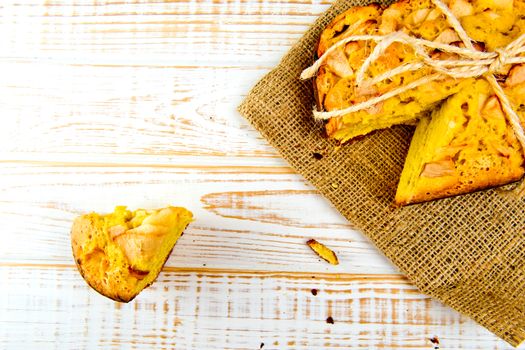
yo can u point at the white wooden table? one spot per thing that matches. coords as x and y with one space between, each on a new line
134 102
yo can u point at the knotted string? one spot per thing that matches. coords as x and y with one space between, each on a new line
470 64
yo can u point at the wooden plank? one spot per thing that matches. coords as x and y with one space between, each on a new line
213 309
242 32
116 81
132 114
249 218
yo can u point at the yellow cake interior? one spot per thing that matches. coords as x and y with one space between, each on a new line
121 253
465 145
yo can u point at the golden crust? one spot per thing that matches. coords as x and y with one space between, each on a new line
446 193
491 179
122 253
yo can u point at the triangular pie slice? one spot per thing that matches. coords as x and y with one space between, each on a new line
464 146
490 23
121 253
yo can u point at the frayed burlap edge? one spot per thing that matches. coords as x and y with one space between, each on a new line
464 251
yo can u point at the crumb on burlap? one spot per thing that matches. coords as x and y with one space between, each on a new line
317 156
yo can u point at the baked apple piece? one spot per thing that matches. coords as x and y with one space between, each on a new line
465 146
121 253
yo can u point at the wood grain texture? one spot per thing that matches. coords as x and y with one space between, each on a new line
260 218
213 309
101 73
107 102
126 113
192 32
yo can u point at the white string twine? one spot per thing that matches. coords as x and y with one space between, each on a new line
471 64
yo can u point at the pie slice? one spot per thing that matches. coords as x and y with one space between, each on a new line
121 253
490 23
464 146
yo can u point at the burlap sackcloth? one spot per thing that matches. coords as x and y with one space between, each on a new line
467 251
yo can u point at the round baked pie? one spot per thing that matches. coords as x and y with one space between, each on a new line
491 24
463 141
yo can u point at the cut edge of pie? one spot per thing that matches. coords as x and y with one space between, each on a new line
464 146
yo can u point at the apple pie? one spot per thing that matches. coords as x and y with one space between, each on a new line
490 23
464 146
121 253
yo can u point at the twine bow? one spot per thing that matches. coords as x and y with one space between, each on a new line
470 64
